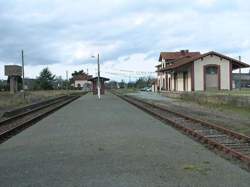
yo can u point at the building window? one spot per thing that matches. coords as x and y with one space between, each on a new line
212 70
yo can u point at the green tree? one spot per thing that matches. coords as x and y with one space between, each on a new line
144 82
122 84
45 80
81 72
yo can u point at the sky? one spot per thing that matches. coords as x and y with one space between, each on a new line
63 35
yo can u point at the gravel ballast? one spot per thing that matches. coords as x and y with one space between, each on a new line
109 142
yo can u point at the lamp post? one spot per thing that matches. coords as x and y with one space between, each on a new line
98 76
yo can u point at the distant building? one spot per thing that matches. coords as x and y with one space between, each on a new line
193 71
242 79
94 81
81 81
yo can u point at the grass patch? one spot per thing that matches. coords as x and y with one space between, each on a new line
236 92
9 101
126 90
241 111
199 168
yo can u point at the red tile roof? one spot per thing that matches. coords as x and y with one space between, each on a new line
82 77
186 60
176 55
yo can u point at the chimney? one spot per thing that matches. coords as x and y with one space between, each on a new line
183 52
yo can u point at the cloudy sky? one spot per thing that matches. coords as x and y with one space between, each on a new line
128 34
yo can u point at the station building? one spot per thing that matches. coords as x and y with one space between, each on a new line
81 81
193 71
94 81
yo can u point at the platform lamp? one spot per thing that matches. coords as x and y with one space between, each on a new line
98 76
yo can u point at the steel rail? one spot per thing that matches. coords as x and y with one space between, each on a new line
24 109
12 126
26 112
231 143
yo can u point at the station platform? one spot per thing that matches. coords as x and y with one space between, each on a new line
109 142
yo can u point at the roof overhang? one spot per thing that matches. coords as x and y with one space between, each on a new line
101 78
188 60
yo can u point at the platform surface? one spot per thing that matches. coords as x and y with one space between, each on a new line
109 142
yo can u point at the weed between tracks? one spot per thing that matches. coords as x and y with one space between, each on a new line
9 101
199 168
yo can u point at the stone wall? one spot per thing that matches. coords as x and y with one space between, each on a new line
204 98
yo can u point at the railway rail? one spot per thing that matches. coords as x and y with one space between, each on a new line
24 109
28 116
224 140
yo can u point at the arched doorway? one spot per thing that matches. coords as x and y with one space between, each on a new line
212 77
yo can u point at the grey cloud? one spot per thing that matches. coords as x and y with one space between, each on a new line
42 28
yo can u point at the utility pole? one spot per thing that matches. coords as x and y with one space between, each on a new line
240 73
23 75
67 81
98 76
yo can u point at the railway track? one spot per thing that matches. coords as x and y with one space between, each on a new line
224 140
28 116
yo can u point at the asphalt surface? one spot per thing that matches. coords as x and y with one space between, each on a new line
109 142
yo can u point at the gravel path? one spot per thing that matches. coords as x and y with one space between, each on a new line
109 142
224 118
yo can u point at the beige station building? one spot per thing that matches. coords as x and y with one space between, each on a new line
193 71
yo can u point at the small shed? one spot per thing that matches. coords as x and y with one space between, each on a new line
94 81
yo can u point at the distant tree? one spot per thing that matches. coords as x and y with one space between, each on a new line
111 84
1 85
131 85
122 84
65 84
81 72
45 80
4 85
58 83
144 82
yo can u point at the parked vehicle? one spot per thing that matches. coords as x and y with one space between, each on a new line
146 89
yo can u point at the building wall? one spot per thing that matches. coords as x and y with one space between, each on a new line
179 82
172 82
169 86
159 80
162 81
199 74
81 82
189 81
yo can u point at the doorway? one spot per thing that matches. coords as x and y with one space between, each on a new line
212 77
185 81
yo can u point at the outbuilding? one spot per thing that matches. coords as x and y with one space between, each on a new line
94 81
192 71
81 81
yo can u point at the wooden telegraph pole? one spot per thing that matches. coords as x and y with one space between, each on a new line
240 73
67 81
98 78
23 75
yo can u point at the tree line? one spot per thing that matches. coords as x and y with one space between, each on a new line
45 81
141 82
48 81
